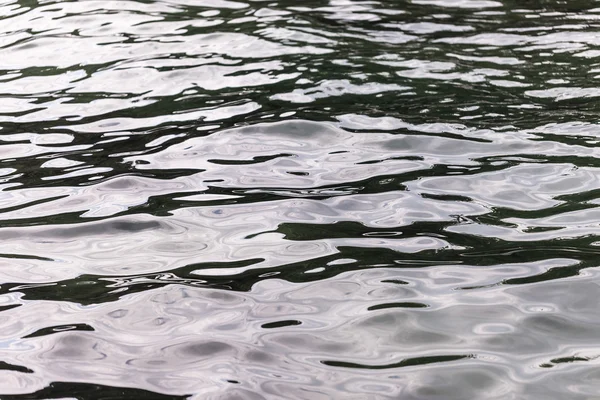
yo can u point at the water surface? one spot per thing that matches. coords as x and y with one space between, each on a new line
337 199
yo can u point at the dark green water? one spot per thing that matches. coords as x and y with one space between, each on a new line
313 200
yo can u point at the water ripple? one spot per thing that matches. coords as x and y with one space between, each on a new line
335 199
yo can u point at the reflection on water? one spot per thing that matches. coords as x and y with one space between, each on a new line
220 199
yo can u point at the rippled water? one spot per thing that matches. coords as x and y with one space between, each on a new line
337 199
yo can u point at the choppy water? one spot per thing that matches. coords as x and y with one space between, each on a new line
338 199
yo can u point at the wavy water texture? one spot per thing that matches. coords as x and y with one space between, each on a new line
338 199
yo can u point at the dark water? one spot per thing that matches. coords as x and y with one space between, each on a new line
218 199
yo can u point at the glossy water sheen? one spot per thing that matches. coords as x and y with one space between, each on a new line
216 199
